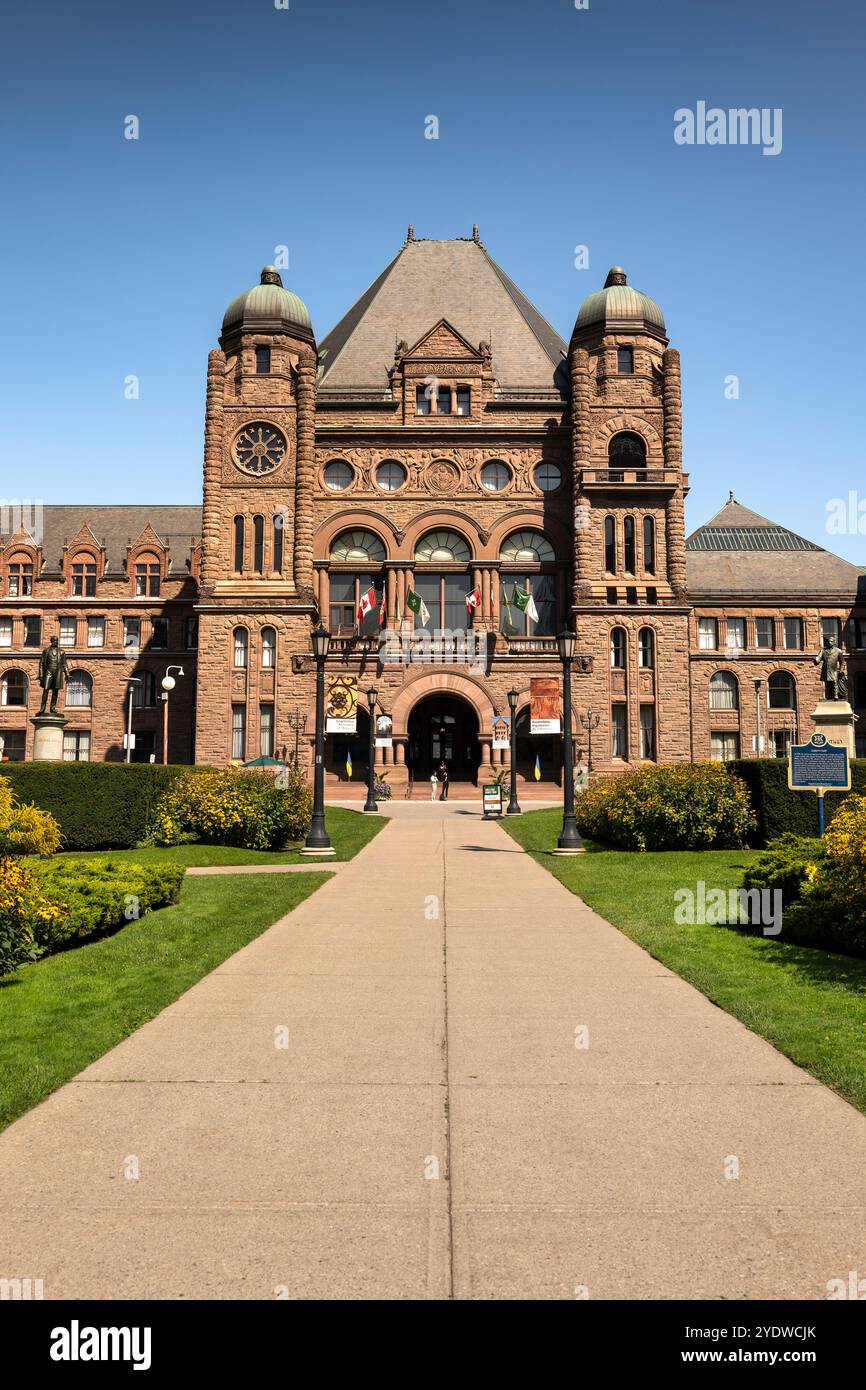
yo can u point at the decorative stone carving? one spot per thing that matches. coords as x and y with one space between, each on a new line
443 476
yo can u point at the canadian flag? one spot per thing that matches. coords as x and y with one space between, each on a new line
367 604
473 600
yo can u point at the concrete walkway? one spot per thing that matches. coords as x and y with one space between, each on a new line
430 1129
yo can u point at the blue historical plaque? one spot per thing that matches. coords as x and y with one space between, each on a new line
819 765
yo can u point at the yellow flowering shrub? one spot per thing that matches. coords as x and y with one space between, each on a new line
23 908
243 809
24 829
683 806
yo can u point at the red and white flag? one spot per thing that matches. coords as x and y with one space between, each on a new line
367 604
472 601
383 612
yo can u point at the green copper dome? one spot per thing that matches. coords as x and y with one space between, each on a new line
618 302
267 306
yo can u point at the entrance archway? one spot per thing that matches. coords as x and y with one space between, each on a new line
443 726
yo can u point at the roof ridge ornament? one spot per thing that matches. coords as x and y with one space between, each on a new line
615 276
271 276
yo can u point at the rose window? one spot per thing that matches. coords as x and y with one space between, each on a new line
259 448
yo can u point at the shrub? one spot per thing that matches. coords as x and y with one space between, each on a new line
20 904
244 809
25 829
780 811
786 864
83 897
684 806
96 805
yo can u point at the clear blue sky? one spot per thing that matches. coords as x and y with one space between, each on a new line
305 126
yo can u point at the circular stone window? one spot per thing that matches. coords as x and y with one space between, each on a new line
259 448
338 475
390 477
548 476
495 476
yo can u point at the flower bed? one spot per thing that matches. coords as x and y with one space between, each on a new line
245 809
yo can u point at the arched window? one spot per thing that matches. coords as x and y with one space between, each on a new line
279 530
258 544
649 545
617 649
144 692
782 691
84 575
13 688
239 543
724 691
79 689
646 648
357 547
628 544
526 548
241 640
269 646
442 547
147 576
610 544
20 576
626 450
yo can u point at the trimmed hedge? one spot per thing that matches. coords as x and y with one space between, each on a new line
778 810
97 805
98 896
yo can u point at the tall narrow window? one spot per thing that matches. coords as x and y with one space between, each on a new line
628 544
794 634
84 578
619 729
5 632
464 400
422 400
269 647
239 732
617 649
649 545
646 648
147 577
32 631
708 634
266 731
279 529
610 544
239 543
68 631
724 691
20 579
96 632
647 731
765 633
79 689
263 361
241 644
625 360
258 544
735 640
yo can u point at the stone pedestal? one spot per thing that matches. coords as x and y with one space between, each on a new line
48 740
835 720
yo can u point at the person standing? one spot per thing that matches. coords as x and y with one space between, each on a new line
442 774
434 783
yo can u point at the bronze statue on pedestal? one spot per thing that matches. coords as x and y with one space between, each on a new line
53 674
832 660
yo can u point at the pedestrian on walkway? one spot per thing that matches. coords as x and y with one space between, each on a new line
442 775
434 783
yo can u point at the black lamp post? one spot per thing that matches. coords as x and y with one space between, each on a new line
569 837
370 803
318 841
513 807
590 721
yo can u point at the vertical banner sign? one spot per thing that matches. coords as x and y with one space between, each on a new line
500 731
384 730
341 705
545 705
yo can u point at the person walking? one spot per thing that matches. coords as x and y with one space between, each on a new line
442 775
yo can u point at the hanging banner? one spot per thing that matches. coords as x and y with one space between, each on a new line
545 705
501 724
341 705
384 729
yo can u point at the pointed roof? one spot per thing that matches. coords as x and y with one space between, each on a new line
432 280
740 552
178 527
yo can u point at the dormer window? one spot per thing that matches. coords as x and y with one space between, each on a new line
443 400
422 401
263 361
20 578
625 361
84 577
464 400
435 399
147 577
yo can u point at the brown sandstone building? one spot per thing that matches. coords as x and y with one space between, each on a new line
441 440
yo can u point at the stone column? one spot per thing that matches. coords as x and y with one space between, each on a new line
675 522
486 752
581 447
305 464
213 462
391 600
400 751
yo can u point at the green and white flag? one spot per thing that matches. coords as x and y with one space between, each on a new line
416 604
526 603
511 627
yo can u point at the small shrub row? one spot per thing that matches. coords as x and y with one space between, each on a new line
682 806
243 809
93 897
780 811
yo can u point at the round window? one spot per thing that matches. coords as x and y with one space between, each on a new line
338 475
390 476
548 476
259 448
495 476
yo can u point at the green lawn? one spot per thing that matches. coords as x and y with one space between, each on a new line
808 1003
350 831
63 1012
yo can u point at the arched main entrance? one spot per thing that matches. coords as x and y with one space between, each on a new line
443 726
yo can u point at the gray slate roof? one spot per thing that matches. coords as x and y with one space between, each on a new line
432 280
178 527
739 552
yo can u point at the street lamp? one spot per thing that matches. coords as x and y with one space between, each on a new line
318 842
130 681
370 804
569 838
758 684
168 684
513 807
590 721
